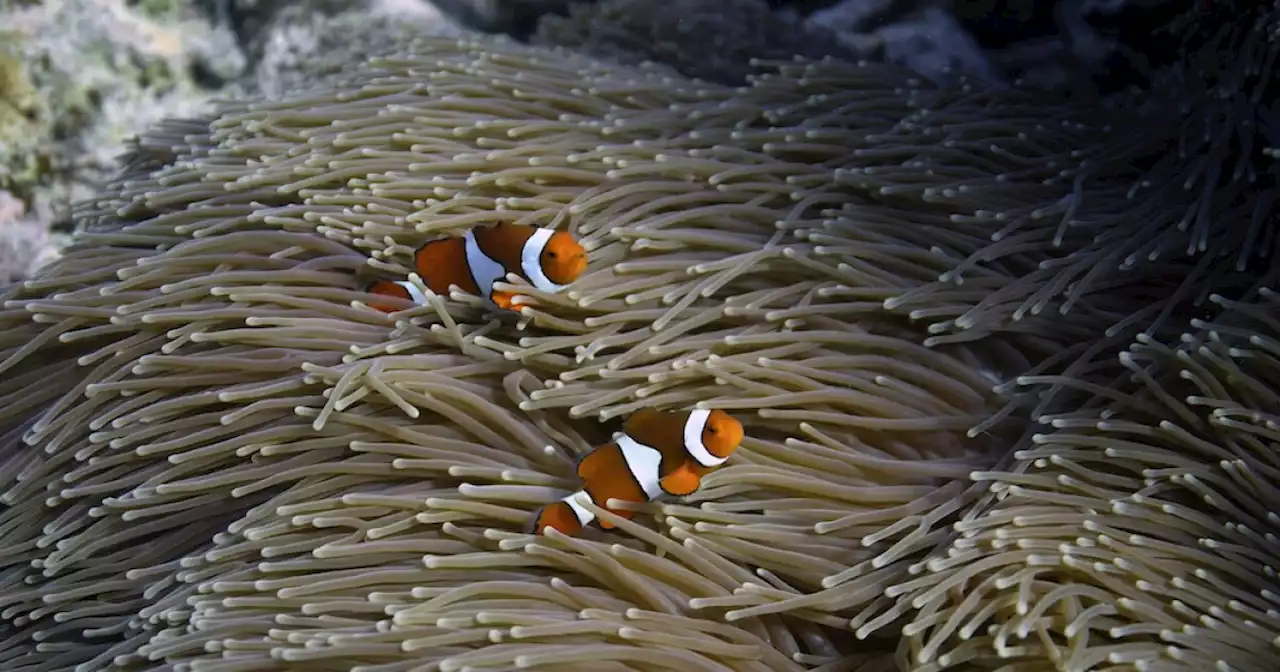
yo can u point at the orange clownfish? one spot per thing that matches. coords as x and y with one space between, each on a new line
658 453
546 259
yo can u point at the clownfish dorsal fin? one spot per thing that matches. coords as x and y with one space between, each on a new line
646 425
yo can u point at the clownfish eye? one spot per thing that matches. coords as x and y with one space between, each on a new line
553 255
711 430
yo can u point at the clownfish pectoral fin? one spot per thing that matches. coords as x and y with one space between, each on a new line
394 290
681 481
504 300
558 515
621 513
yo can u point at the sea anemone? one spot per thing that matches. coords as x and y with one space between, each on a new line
217 457
232 461
1141 530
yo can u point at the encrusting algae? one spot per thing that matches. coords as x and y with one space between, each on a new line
221 457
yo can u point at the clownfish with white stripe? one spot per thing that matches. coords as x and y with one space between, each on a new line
658 452
544 258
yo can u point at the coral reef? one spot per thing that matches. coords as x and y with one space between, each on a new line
81 75
25 243
299 46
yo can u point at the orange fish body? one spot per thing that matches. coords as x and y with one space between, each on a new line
657 453
546 259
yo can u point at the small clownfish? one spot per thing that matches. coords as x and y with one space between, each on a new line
658 452
546 259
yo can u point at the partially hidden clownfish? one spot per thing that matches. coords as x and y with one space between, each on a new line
544 258
658 452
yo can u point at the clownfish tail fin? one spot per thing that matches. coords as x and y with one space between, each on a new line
563 515
391 288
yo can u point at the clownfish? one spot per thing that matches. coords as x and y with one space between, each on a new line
658 452
546 259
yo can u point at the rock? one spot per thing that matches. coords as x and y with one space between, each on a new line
714 40
518 18
25 243
300 44
921 35
77 77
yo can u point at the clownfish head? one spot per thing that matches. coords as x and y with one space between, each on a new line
721 434
563 259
